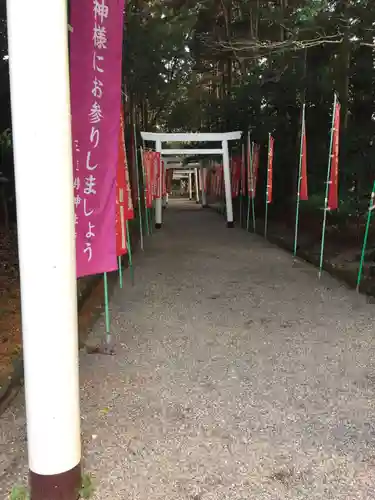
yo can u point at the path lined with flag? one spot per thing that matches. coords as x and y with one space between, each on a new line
238 374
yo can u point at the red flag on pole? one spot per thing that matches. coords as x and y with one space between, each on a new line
164 179
236 174
270 169
133 163
121 193
147 163
304 195
129 208
243 172
255 166
157 174
333 197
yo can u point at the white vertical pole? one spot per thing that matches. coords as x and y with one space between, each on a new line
227 184
45 216
190 186
158 201
196 185
204 183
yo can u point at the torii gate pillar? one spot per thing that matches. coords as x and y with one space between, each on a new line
227 185
204 187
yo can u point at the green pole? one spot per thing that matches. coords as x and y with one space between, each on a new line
369 214
299 182
151 212
120 270
106 310
138 186
327 189
130 256
266 209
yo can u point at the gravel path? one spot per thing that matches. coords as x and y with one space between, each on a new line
238 375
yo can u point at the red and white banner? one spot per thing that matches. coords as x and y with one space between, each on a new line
243 172
133 166
303 194
158 175
236 175
164 179
253 164
121 194
148 170
95 69
333 195
129 207
270 169
221 180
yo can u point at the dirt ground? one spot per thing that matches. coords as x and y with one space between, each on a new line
342 254
343 244
10 307
10 304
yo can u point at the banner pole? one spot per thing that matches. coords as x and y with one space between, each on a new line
299 182
120 271
266 209
130 255
327 189
369 215
106 310
138 186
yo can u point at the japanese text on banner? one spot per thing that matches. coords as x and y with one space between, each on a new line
95 59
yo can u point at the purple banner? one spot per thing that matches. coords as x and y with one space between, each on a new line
95 69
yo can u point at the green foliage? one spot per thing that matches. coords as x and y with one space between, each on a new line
19 493
250 65
87 489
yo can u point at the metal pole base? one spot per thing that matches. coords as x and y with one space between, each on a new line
230 224
105 347
158 226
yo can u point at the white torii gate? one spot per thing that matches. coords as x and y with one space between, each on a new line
159 138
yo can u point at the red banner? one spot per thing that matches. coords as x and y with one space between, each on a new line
121 194
333 196
243 173
164 179
304 195
133 167
148 170
253 175
158 175
236 176
95 71
129 208
221 180
270 169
